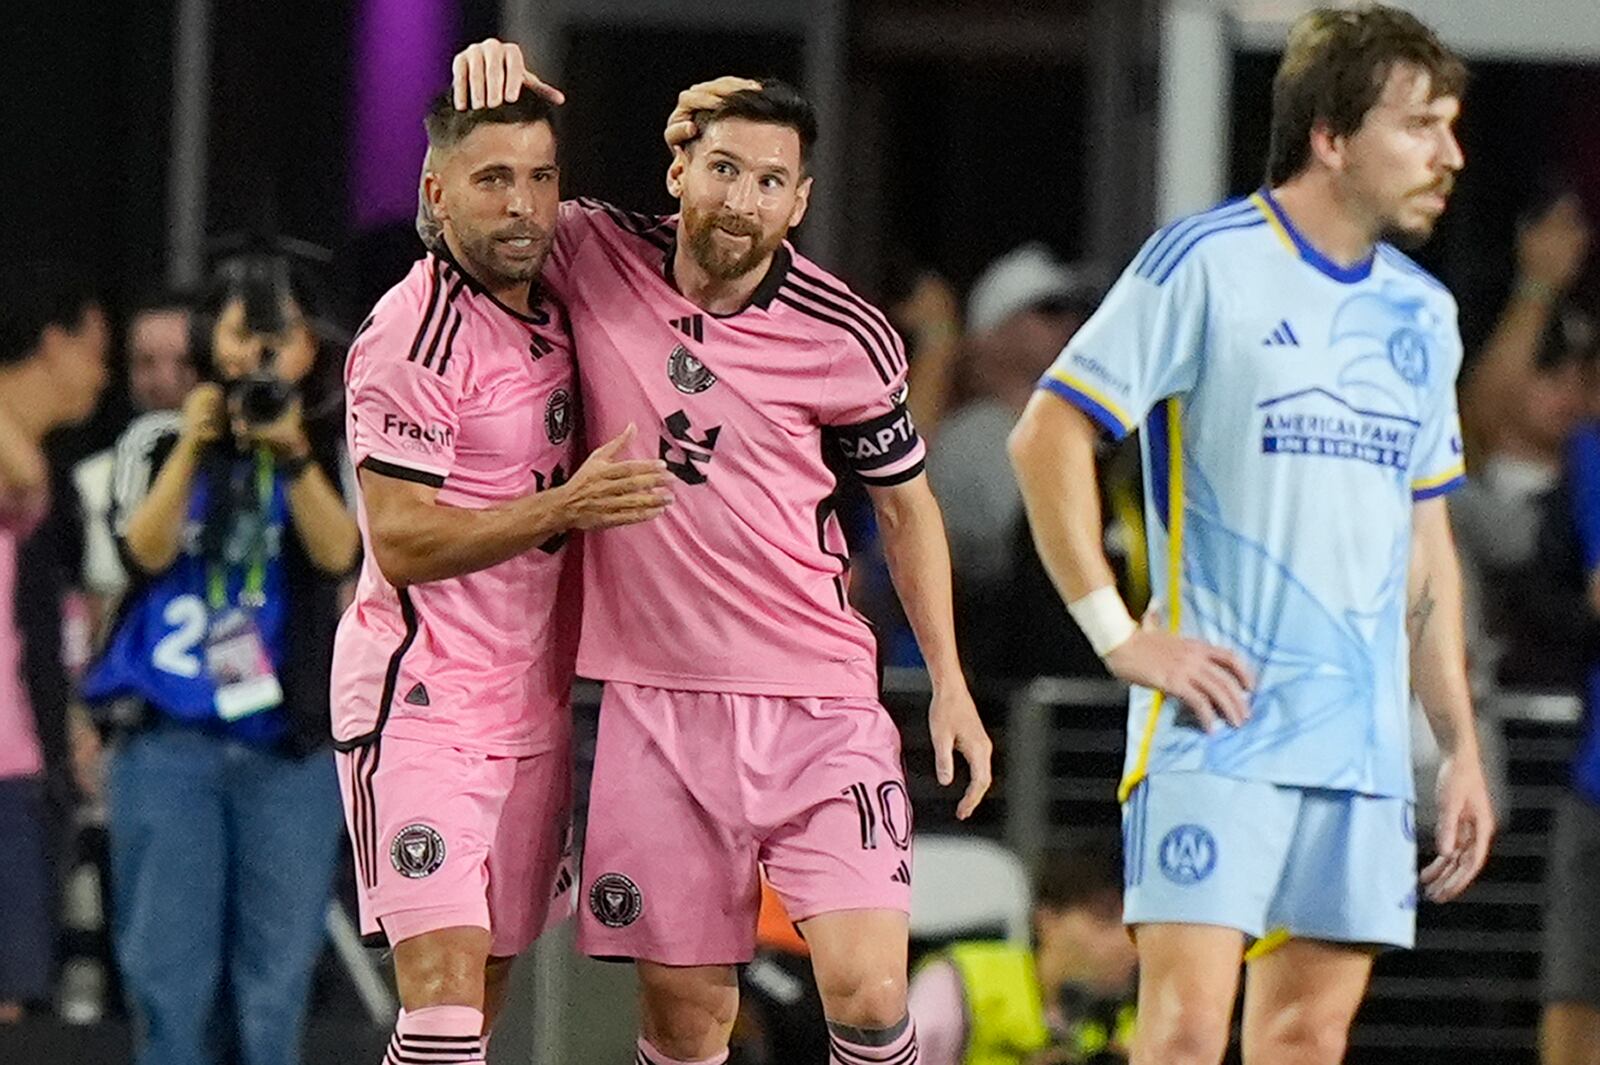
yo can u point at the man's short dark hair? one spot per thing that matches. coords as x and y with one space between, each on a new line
448 127
1087 873
777 103
35 296
1334 69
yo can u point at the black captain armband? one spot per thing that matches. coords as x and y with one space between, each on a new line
883 451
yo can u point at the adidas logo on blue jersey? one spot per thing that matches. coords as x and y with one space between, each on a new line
1281 337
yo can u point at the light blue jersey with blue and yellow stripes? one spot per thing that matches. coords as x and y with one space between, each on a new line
1292 412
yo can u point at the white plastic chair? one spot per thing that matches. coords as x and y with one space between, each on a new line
962 884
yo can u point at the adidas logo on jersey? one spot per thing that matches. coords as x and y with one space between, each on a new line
693 326
902 874
1281 337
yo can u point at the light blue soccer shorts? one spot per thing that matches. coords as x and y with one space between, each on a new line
1270 858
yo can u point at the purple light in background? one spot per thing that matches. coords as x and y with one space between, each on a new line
402 61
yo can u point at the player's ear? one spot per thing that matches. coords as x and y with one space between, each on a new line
675 169
802 199
1327 147
433 194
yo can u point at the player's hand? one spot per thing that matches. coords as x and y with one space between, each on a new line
1213 682
607 491
706 96
491 73
955 726
1466 827
204 413
1552 248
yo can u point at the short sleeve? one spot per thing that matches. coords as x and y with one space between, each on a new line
863 408
1437 463
138 455
1142 345
404 412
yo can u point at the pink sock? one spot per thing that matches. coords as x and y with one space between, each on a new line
884 1046
649 1055
439 1035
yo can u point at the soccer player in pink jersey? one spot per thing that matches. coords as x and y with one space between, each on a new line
740 728
453 666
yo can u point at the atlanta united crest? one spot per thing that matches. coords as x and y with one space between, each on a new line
417 851
688 374
558 416
615 900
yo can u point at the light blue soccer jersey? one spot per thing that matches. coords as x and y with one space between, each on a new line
1292 412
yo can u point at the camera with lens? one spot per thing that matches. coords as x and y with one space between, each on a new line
262 285
262 396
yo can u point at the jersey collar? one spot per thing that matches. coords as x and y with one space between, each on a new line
1279 218
765 292
442 251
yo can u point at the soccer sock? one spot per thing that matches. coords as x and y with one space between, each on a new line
439 1035
649 1055
895 1045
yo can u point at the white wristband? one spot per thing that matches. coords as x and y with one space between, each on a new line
1104 618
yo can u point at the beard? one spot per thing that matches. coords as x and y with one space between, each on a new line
719 262
1410 237
496 264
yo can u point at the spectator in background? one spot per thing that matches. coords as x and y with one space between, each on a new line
1524 393
1067 1001
161 373
53 340
1021 312
224 811
1560 591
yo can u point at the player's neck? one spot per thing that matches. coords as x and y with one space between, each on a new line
511 294
710 294
1332 225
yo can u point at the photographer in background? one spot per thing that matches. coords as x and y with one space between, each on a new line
224 811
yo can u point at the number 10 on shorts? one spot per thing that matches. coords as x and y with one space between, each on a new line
886 805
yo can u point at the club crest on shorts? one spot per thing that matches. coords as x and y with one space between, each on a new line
558 416
615 900
417 851
688 374
1188 854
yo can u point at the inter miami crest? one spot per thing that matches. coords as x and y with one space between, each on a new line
688 374
558 416
615 900
417 851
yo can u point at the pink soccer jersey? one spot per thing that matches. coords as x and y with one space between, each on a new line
445 386
739 586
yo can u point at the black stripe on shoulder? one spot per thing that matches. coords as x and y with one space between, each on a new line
787 295
628 224
885 346
444 319
401 473
427 317
449 345
863 308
